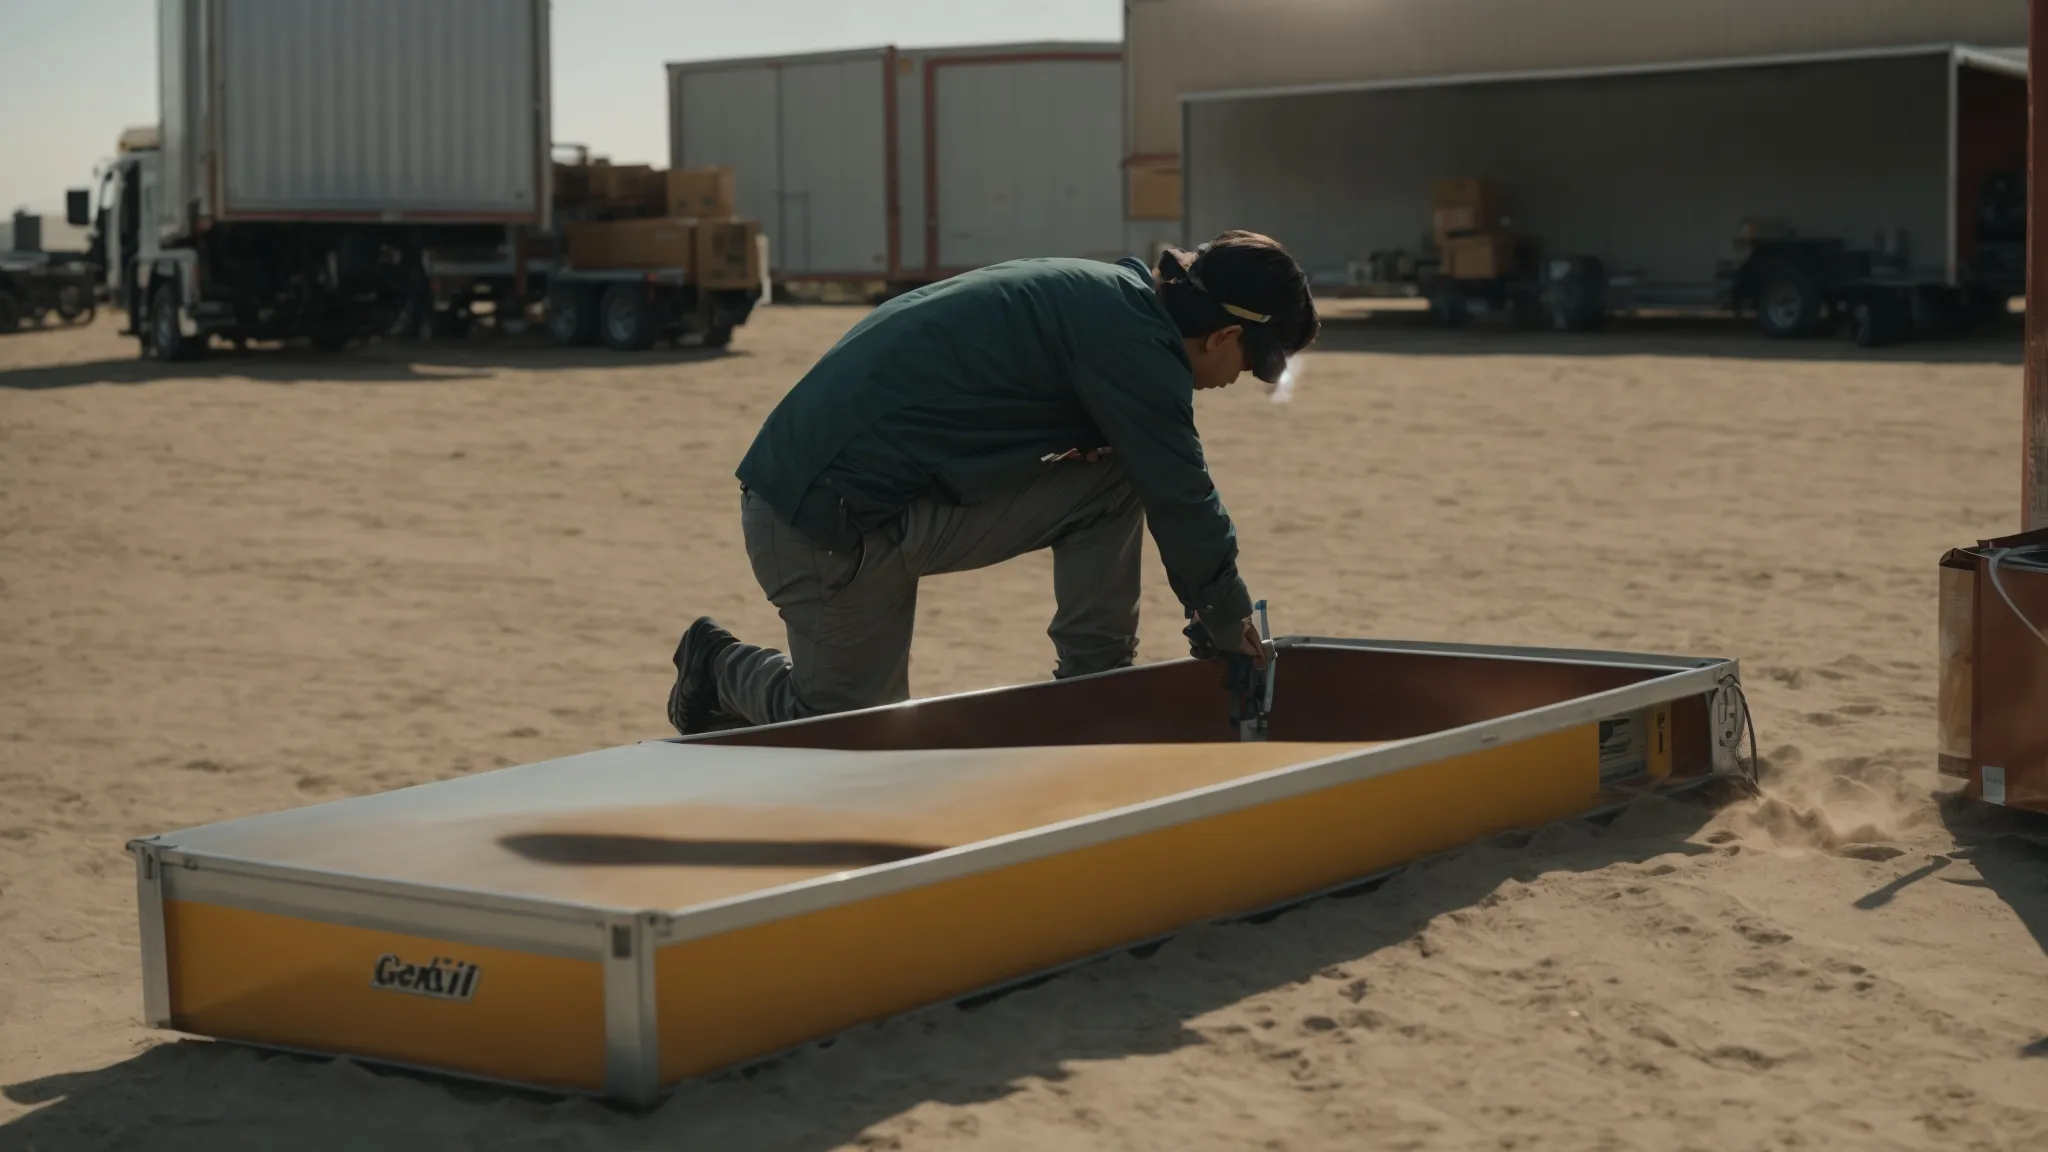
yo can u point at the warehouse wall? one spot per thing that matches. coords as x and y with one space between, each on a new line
1650 173
1177 46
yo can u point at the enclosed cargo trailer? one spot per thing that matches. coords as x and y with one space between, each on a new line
831 154
1879 163
1177 47
307 153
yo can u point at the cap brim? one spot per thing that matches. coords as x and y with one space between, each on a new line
1269 361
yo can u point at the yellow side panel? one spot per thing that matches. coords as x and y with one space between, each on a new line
270 979
1660 742
746 993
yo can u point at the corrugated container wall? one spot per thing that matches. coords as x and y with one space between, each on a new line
829 154
1179 46
807 141
1854 149
431 110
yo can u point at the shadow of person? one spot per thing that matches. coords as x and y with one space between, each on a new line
1143 1001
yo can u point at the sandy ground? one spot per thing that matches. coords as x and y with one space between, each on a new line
272 579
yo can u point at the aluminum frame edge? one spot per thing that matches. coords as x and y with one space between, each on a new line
149 905
1309 776
632 1043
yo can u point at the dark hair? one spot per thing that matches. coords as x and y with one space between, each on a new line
1246 279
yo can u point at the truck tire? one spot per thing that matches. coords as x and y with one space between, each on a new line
718 335
627 319
167 341
329 342
1878 319
75 306
1788 302
10 314
572 315
1447 307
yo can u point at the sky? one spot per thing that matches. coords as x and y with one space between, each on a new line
74 73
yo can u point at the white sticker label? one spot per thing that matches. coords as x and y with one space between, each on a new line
1624 748
1994 785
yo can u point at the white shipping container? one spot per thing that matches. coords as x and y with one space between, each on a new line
372 110
829 151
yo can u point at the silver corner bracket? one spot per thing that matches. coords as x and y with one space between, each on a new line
149 906
1728 720
1257 705
632 1048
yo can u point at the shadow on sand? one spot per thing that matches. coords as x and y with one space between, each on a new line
376 363
1407 333
201 1094
2009 849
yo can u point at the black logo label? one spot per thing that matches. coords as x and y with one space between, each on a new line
441 978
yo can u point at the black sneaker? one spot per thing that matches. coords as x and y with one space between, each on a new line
693 702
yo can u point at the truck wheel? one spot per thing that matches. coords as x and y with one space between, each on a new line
1788 301
167 342
572 315
1877 320
628 319
1447 307
329 342
74 305
443 324
10 314
718 336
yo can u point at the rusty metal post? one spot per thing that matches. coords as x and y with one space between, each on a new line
2034 434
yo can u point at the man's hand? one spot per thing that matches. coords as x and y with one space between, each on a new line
1252 644
1249 643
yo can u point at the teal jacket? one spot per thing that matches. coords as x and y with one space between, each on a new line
965 387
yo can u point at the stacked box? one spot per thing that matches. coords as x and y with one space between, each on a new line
1468 226
706 193
1155 192
1464 208
657 242
727 255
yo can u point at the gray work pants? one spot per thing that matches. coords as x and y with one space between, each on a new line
849 615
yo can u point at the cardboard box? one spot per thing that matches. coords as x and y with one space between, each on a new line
1155 193
1459 220
1463 206
622 183
572 183
1470 192
702 192
727 256
656 242
1486 256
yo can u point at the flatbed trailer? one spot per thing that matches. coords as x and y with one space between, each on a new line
625 309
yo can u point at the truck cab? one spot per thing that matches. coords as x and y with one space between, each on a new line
118 243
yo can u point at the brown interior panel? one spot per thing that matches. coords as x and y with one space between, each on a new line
1335 693
1323 693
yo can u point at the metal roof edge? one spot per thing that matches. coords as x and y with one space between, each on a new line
1999 60
719 64
994 48
1010 47
1537 75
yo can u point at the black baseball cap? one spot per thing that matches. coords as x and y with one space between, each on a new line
1257 285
